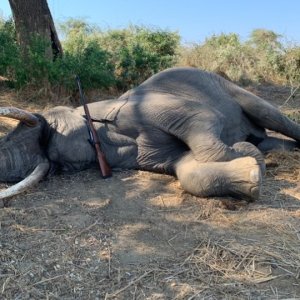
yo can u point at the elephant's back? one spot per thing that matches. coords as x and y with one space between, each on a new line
206 88
190 83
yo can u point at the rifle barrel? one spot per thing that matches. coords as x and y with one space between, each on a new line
103 164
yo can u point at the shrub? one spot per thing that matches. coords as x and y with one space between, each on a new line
224 53
86 58
124 58
138 52
9 50
292 66
261 58
83 55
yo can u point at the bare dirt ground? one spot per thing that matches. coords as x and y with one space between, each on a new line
139 236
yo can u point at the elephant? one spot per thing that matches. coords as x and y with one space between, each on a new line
205 130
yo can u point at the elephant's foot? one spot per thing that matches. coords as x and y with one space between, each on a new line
240 178
245 178
247 149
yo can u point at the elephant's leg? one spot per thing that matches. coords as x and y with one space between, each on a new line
264 114
240 178
273 119
248 149
274 143
209 148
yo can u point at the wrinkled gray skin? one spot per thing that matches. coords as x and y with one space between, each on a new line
196 125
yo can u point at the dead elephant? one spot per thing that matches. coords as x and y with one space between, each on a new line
195 125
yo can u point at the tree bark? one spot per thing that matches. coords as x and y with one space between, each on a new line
33 18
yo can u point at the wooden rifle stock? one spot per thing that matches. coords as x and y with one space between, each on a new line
103 164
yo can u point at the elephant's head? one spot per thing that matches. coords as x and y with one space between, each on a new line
22 151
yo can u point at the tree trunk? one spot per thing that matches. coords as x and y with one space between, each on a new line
33 18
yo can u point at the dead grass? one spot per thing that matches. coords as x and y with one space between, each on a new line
139 236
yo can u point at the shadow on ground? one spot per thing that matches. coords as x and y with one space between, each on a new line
139 235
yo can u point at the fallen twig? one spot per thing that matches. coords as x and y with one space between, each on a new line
84 230
290 96
46 280
107 296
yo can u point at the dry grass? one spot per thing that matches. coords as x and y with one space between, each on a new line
139 236
114 240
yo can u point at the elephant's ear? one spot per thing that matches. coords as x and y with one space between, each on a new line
110 112
106 110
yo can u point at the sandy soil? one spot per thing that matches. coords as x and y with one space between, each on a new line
139 236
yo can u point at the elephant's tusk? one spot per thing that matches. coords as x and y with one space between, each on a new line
38 173
19 114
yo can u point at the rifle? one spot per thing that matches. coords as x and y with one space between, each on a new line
103 164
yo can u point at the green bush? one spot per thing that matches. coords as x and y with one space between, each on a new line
18 69
83 55
34 68
86 59
9 50
135 52
118 58
124 58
